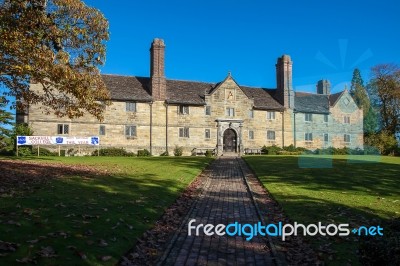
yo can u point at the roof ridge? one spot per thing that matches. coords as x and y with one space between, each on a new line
195 81
121 75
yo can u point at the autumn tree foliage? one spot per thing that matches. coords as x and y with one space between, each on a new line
59 44
384 89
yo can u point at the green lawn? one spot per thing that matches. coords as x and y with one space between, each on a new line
83 215
357 190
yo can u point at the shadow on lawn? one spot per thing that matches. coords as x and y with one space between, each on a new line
81 210
378 178
359 194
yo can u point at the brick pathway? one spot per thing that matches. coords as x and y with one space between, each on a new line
225 199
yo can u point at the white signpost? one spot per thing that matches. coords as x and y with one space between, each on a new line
56 140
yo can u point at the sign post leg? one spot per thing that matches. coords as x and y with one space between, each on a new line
59 150
17 150
38 151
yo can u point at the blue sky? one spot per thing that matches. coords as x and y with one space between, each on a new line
206 39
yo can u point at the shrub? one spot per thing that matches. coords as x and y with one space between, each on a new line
295 150
6 152
284 152
290 148
178 151
72 152
164 153
271 150
143 153
209 153
369 150
46 152
25 151
112 152
383 141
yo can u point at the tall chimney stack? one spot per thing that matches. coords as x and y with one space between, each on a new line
284 92
158 84
324 87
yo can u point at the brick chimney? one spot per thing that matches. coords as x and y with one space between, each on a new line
158 84
284 92
324 87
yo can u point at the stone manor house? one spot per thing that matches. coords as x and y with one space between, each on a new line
158 114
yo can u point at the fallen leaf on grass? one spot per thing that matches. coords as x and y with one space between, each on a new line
13 223
102 243
115 226
81 255
105 258
32 241
89 232
26 260
7 246
47 252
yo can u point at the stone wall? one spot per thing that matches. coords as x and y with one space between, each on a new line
335 127
156 135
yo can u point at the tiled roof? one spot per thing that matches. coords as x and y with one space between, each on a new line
187 92
124 88
334 97
311 103
263 98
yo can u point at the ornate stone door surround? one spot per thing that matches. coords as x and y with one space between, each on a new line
224 124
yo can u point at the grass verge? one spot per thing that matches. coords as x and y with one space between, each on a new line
89 210
359 190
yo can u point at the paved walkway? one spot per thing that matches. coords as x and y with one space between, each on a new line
225 199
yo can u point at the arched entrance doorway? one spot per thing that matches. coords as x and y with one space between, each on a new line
230 140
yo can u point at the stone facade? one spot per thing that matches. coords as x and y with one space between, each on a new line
159 114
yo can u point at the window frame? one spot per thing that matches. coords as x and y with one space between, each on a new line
251 113
349 138
271 115
208 110
207 133
230 111
326 137
102 132
183 109
184 132
308 137
308 117
269 132
251 134
64 129
346 119
130 107
326 118
130 135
